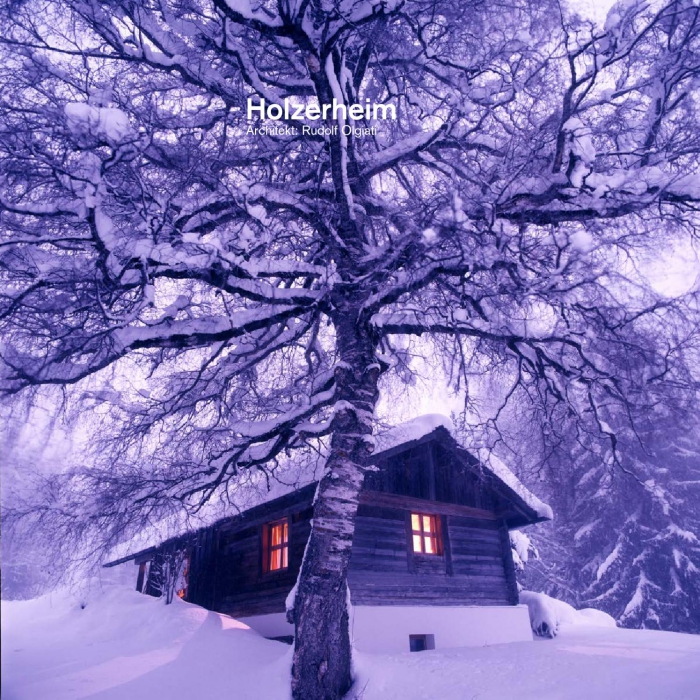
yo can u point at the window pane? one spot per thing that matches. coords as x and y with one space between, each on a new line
277 544
417 543
429 545
415 522
427 523
275 559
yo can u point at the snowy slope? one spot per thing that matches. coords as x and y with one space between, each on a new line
126 646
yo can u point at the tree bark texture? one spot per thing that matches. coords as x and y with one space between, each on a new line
322 654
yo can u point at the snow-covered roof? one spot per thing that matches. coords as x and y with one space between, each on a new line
498 469
412 430
258 491
254 492
422 426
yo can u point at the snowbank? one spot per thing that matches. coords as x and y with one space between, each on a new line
127 646
547 614
111 643
583 663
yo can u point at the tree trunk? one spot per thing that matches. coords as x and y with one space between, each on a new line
322 653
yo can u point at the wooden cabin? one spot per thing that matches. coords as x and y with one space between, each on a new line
431 562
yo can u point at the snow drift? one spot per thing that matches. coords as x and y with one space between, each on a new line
112 643
548 614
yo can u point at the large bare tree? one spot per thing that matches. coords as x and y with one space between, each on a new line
253 290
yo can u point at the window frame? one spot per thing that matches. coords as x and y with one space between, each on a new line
268 548
434 533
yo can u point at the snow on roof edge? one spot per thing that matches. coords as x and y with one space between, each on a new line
424 425
249 496
502 472
409 431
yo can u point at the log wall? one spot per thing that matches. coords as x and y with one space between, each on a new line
474 568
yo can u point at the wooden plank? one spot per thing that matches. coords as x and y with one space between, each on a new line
242 588
477 585
368 524
473 534
428 448
430 585
408 595
380 513
508 565
415 597
491 570
373 563
446 545
421 505
380 543
463 548
443 602
474 559
429 564
473 523
393 596
410 556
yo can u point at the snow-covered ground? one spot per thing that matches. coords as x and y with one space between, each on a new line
127 646
582 663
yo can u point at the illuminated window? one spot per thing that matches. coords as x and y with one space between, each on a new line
425 534
276 540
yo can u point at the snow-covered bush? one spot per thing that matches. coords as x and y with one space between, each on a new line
522 549
547 614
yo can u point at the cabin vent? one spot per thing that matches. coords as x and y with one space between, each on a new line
421 642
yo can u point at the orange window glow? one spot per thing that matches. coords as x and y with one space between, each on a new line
182 593
278 545
426 537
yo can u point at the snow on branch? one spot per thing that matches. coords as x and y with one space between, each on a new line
399 151
196 332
